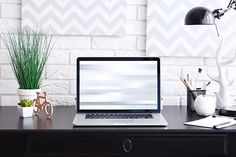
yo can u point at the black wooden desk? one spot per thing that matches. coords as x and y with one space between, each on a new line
43 137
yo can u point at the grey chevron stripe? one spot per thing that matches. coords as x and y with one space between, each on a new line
107 23
74 3
50 29
153 49
163 22
72 30
89 17
207 51
188 4
185 35
170 8
180 50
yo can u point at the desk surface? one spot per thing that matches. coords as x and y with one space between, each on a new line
63 116
39 136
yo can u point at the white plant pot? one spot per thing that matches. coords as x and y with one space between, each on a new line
25 111
28 94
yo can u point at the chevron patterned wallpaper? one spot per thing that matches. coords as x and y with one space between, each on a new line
76 17
168 36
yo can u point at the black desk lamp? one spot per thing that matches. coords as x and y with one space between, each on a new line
203 16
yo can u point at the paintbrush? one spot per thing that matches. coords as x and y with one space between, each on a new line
185 83
199 72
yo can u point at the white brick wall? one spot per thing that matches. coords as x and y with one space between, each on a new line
60 70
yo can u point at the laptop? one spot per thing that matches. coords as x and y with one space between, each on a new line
118 91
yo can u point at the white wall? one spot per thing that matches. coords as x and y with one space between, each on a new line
60 70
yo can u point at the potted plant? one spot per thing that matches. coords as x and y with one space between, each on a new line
29 50
25 108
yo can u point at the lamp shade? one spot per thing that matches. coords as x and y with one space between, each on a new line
199 16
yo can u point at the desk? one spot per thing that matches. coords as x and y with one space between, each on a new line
41 137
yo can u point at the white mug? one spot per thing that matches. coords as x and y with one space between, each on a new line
205 105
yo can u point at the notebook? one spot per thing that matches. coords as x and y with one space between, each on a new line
213 122
118 91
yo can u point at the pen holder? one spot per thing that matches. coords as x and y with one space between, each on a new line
191 96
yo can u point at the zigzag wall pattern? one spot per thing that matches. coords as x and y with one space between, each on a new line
76 17
168 36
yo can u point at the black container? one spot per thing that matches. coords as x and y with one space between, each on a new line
191 96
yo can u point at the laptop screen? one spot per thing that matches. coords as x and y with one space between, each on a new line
118 85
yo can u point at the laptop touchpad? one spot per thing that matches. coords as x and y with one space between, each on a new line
120 122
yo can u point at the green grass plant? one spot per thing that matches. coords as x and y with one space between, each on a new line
29 50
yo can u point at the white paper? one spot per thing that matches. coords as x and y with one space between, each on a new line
210 122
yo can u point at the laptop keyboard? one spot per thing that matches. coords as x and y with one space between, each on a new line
119 116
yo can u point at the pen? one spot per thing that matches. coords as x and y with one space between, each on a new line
205 85
220 125
208 83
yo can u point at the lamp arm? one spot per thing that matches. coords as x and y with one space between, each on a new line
217 30
230 4
218 13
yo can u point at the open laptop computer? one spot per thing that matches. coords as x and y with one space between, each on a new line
118 91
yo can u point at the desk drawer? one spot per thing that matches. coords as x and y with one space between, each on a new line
212 145
192 145
12 144
74 145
